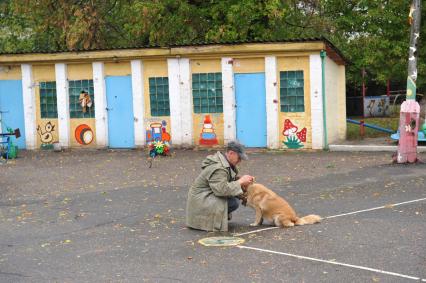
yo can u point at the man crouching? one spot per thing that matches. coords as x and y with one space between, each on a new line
212 196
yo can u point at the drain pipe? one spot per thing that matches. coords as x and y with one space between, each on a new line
323 54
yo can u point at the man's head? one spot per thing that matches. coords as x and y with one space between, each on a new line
235 152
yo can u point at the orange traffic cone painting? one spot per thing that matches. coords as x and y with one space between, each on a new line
208 136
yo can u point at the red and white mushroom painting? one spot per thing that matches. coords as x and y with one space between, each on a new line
294 138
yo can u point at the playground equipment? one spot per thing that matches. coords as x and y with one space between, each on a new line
7 148
362 124
421 135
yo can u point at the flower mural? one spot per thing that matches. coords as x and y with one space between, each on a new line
295 139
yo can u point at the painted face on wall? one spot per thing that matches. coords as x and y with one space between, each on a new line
46 135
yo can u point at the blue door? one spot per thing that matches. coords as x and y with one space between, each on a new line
120 112
250 98
12 109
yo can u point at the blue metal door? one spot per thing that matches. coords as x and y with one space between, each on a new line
120 112
250 98
12 109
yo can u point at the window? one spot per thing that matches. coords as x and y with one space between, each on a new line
77 110
207 93
48 104
292 91
159 96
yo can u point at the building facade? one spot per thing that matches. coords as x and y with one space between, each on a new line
288 94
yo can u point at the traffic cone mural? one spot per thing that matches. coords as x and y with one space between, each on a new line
208 136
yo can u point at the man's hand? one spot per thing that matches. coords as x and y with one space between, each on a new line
246 180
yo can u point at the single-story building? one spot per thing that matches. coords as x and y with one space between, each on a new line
283 94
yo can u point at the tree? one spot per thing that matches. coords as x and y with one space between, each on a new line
372 34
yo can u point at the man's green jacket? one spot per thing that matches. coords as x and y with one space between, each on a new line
207 206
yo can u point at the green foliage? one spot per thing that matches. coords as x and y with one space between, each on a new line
372 34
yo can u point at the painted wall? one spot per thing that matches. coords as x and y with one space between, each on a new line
249 65
155 68
82 130
47 128
342 102
335 101
117 69
200 120
302 120
242 63
10 72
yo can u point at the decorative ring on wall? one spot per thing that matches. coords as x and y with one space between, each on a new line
83 134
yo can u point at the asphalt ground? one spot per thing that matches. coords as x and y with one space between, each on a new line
104 216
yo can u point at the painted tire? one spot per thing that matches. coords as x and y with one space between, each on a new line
84 134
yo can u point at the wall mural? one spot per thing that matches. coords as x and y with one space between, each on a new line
46 135
208 136
295 139
376 106
83 134
157 132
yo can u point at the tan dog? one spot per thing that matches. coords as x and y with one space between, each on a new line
271 207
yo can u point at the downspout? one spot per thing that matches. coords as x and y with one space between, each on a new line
323 54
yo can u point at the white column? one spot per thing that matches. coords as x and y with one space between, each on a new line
272 121
229 110
29 102
63 104
101 114
175 103
315 72
185 101
138 102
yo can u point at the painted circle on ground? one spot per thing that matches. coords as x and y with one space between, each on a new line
221 241
83 134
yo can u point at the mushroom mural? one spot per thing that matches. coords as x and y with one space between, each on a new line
294 139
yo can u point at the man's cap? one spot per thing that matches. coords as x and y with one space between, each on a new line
235 146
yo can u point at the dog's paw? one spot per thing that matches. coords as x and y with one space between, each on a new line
254 224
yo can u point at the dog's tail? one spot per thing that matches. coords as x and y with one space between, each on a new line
309 219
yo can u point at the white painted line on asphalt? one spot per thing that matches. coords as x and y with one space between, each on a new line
336 263
254 231
376 208
339 215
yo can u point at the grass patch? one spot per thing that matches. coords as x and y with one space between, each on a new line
353 132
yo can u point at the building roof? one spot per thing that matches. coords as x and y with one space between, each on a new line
227 47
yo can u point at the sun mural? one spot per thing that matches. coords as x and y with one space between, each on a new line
83 134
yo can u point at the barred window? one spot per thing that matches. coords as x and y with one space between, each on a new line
292 91
159 96
207 92
48 102
78 108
